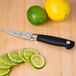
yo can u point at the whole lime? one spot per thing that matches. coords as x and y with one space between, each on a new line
36 15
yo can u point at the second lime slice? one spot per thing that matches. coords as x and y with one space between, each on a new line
13 56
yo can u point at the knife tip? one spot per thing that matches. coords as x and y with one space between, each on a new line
3 30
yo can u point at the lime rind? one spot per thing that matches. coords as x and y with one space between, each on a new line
5 72
21 55
5 60
15 58
28 52
33 63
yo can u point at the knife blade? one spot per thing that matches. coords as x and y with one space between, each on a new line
68 44
24 35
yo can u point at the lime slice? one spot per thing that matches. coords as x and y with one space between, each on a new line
21 55
5 60
28 52
13 56
37 61
2 65
4 72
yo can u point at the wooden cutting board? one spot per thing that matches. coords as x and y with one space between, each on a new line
59 61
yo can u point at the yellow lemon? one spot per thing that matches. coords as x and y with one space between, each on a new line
57 10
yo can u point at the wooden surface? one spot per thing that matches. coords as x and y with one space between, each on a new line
59 61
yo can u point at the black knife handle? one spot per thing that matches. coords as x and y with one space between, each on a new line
68 44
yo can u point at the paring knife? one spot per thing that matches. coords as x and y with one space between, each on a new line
68 44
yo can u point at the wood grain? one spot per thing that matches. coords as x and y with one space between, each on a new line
59 61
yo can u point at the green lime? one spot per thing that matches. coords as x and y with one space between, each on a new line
28 52
37 61
4 72
21 55
36 15
13 56
6 60
2 65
